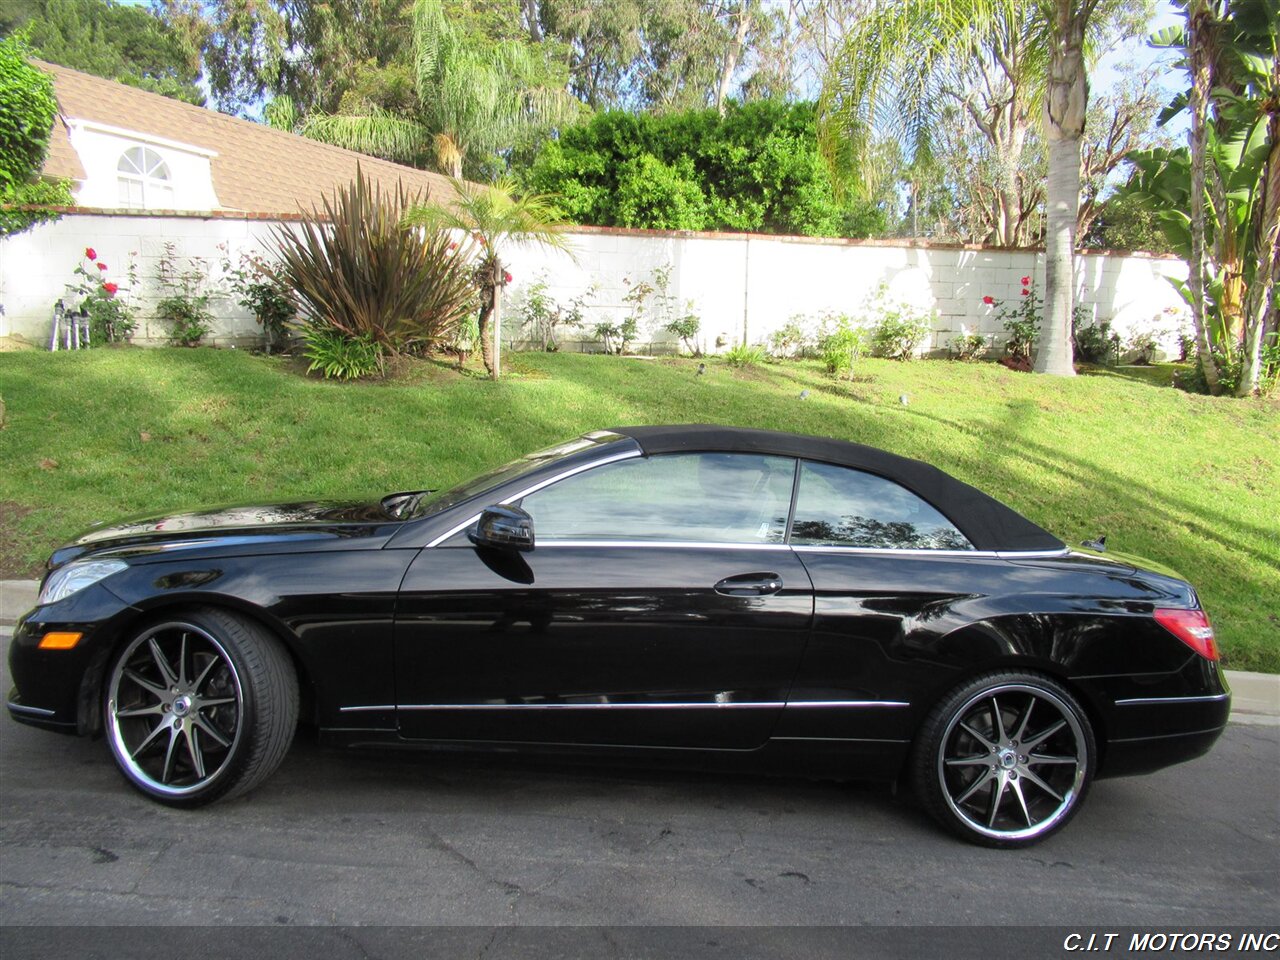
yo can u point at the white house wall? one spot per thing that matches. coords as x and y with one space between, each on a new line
741 287
100 148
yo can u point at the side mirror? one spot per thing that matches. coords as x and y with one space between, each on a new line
503 528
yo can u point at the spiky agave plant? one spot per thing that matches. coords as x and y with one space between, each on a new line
356 270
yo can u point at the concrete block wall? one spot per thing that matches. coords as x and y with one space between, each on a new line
742 287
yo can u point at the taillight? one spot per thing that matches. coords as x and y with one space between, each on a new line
1192 627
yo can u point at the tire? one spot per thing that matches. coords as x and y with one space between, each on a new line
1005 759
200 706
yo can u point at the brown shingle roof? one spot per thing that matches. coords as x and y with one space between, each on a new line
258 169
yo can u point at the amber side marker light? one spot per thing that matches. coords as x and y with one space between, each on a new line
59 641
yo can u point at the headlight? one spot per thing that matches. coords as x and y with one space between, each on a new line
75 576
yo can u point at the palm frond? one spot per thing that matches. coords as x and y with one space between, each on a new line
381 134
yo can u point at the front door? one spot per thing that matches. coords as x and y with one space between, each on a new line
660 607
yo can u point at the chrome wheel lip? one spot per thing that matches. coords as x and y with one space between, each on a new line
1070 796
115 735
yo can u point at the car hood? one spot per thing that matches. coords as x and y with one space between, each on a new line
259 524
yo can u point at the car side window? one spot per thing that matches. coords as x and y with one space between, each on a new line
710 497
841 507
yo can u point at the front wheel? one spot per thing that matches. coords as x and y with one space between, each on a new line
200 706
1005 760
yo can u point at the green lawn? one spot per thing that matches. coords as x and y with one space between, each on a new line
1189 481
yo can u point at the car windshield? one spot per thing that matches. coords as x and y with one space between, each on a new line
437 501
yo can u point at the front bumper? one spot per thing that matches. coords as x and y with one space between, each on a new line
60 689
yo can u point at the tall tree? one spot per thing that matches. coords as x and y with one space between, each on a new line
1229 179
117 41
314 51
905 59
906 66
474 98
1066 103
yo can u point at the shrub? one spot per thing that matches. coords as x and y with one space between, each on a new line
686 327
742 356
27 111
110 317
185 304
617 337
841 348
1021 324
899 332
259 291
968 346
1095 343
541 315
791 338
1144 343
340 357
354 269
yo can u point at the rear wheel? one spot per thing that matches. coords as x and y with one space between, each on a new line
200 706
1005 760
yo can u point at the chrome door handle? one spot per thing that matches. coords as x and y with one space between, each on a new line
749 585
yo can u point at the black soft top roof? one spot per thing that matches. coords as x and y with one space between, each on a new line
987 522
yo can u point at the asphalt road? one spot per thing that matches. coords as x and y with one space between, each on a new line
396 838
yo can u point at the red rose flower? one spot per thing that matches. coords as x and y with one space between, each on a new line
453 246
111 288
1026 281
90 253
988 300
1026 292
102 266
506 278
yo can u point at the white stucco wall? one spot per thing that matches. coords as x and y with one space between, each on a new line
741 287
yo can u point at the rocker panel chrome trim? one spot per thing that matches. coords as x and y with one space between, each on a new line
1142 701
709 704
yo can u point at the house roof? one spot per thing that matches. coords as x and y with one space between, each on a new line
258 169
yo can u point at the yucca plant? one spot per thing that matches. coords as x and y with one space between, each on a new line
357 271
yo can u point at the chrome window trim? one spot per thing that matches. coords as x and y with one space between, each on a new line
705 704
34 711
367 708
1141 701
738 545
679 544
535 487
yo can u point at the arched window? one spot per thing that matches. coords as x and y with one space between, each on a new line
144 180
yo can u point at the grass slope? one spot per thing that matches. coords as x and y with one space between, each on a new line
1188 481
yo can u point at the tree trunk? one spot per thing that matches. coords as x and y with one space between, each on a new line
530 9
1197 51
496 370
1065 102
731 55
1261 307
487 300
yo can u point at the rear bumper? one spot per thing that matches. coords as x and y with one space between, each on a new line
1153 733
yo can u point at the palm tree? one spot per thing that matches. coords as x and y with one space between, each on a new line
906 58
472 101
907 65
1218 200
492 218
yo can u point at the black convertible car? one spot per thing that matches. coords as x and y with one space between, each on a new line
692 593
